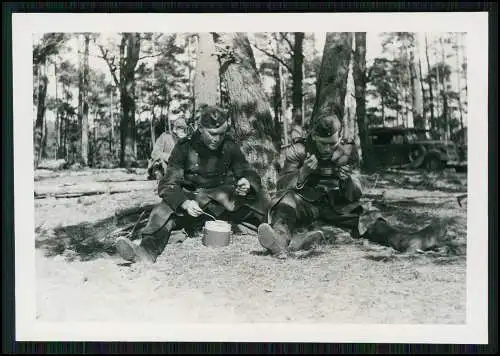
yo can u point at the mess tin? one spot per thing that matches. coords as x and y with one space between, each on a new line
217 233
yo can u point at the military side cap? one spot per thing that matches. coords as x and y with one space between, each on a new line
212 117
326 128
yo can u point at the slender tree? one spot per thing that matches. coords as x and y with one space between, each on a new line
360 79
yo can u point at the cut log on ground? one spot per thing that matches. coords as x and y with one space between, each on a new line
92 188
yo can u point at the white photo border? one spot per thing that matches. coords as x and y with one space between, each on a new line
475 24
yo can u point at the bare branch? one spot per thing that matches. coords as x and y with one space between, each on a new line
285 37
151 56
110 63
271 55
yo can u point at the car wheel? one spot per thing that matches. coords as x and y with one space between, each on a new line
158 174
433 164
416 156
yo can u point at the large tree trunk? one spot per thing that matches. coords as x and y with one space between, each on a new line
421 81
350 107
277 94
129 55
83 106
459 85
277 102
112 129
40 112
444 82
206 80
332 79
417 103
359 74
284 116
43 153
297 77
58 114
253 124
431 92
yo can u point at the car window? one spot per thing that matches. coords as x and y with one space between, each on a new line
397 139
380 139
411 137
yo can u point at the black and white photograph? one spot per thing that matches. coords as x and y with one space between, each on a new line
208 177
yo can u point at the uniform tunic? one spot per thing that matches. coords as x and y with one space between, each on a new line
208 176
330 193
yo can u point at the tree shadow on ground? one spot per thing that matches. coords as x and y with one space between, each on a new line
85 241
312 253
408 217
90 240
449 182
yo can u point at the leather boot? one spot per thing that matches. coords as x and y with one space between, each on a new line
151 246
132 252
305 241
271 240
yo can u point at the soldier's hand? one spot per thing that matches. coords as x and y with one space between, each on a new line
192 208
242 186
311 162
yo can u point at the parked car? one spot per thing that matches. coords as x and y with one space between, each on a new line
412 148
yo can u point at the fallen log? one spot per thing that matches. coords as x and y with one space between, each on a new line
118 180
92 188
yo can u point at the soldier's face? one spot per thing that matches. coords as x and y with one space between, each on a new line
180 132
325 148
212 138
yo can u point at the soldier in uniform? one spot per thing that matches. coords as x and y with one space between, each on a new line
319 181
207 173
163 147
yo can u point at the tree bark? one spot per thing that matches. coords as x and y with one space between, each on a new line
350 106
57 124
459 90
84 105
40 113
421 81
252 121
43 153
129 56
129 48
359 74
417 103
444 82
206 80
112 129
429 82
284 116
332 79
297 77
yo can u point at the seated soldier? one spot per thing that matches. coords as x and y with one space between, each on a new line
319 181
207 173
163 147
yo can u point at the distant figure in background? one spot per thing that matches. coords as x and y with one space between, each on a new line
157 165
296 133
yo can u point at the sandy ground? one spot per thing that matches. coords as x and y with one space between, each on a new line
343 281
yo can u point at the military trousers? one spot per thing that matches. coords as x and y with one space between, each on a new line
292 211
219 202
